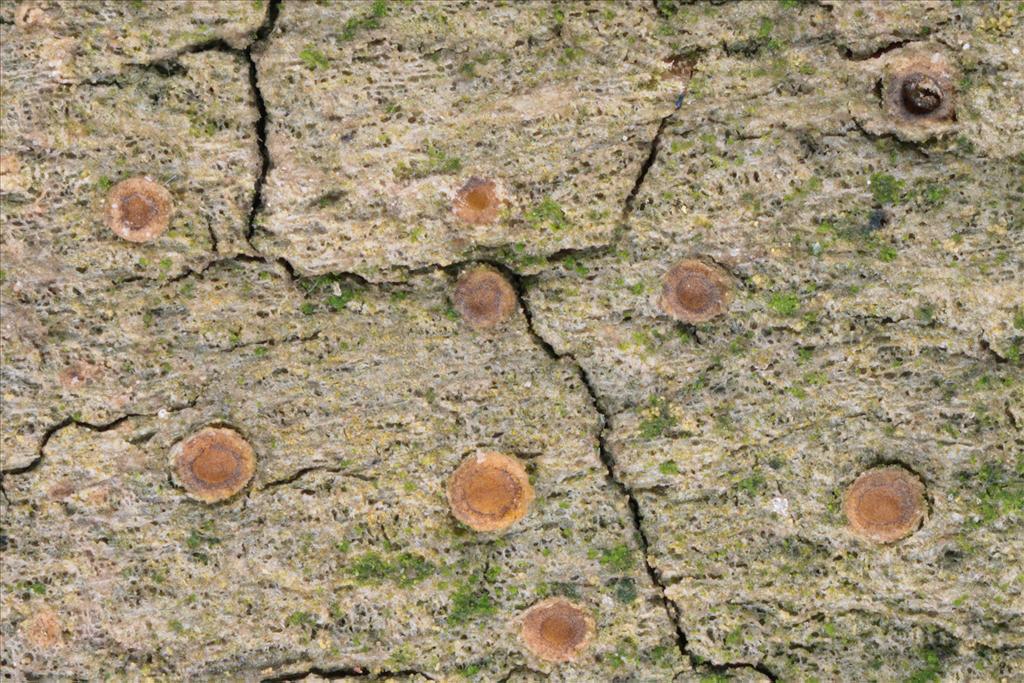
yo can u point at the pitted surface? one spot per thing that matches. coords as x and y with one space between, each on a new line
844 176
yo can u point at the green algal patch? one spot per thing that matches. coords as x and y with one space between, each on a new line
930 670
201 539
934 195
887 254
668 467
618 558
751 485
575 266
313 58
333 290
300 619
1018 319
1001 491
885 188
405 569
470 602
658 419
625 590
364 22
547 214
784 303
437 162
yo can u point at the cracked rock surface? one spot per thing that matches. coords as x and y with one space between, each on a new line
688 479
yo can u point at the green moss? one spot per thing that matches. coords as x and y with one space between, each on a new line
438 162
887 254
1002 491
300 619
929 671
371 20
469 602
668 467
625 590
313 58
405 570
619 558
751 485
885 188
547 214
659 419
784 303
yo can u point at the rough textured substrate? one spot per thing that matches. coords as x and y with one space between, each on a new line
688 479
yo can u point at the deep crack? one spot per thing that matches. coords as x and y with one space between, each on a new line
261 123
346 672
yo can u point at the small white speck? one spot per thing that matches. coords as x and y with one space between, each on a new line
967 46
162 414
1015 50
780 506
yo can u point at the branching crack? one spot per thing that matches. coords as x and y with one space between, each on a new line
298 474
347 672
101 427
671 609
261 123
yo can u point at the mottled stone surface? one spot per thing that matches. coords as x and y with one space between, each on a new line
377 117
688 479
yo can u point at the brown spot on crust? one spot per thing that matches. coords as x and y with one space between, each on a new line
920 91
29 15
557 630
42 629
694 292
477 202
138 209
885 504
489 491
77 374
484 298
213 464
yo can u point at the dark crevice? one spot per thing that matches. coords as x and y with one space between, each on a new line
102 427
652 155
298 474
848 53
294 339
261 123
608 460
347 672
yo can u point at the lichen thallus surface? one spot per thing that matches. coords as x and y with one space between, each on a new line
490 491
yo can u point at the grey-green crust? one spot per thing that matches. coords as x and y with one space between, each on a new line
688 479
377 118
